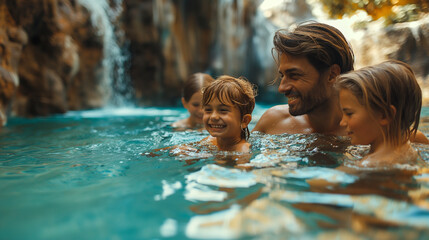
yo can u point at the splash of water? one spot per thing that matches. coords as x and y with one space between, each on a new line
115 81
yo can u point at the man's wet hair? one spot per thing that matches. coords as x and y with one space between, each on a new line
322 44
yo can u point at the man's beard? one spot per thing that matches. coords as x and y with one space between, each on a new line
308 105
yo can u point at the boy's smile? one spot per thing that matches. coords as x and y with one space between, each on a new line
222 121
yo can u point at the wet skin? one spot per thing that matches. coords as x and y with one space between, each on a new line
362 127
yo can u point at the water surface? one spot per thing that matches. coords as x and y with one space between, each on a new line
94 175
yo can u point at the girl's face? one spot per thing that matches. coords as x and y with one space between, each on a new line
361 126
223 121
194 107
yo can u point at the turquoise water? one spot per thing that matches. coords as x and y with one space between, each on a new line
94 175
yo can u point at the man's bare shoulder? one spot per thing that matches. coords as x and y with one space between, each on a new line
278 111
274 120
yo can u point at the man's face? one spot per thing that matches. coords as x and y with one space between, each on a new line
305 88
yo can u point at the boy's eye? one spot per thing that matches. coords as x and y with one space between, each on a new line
206 109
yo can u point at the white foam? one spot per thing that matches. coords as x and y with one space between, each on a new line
168 189
222 177
122 112
198 192
214 225
328 174
168 228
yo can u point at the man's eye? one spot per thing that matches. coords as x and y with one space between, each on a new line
294 76
196 105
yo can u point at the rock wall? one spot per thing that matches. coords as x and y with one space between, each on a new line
169 40
50 59
407 42
52 54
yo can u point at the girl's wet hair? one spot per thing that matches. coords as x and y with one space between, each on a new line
195 83
232 91
380 86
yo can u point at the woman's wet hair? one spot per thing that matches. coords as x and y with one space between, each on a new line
232 91
195 83
391 83
322 44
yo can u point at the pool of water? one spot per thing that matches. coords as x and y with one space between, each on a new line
95 175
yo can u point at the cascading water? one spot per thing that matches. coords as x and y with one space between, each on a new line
115 81
230 48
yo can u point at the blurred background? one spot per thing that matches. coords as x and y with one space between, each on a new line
63 55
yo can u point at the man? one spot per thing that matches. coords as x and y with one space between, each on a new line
309 59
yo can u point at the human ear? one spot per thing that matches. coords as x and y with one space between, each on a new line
334 71
246 120
184 103
387 119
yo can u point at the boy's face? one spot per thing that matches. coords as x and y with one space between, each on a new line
222 121
194 107
361 126
305 88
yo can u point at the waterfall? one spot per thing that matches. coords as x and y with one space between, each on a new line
230 47
115 81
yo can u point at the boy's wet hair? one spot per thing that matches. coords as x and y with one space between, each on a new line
232 91
195 83
380 86
322 44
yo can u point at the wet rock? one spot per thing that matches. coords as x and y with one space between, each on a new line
54 55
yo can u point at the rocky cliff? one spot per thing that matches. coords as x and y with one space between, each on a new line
50 58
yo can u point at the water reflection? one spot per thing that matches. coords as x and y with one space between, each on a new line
304 181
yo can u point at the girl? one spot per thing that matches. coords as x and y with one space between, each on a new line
191 100
228 103
381 107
